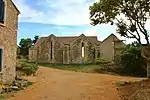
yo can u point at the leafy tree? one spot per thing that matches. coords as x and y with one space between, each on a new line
35 39
132 62
130 16
25 44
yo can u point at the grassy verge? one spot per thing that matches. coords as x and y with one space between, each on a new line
86 68
74 67
4 96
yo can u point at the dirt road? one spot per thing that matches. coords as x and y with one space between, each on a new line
53 84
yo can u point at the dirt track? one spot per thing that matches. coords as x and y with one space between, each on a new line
53 84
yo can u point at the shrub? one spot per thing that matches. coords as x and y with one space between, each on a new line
20 63
29 68
101 61
132 62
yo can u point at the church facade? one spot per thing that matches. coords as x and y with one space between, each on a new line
72 50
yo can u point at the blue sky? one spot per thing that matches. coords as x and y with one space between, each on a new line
58 17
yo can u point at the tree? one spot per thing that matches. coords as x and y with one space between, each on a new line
131 61
35 39
130 16
24 45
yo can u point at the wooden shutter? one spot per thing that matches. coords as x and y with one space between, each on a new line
1 59
2 7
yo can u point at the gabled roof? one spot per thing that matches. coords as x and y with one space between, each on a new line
111 35
115 39
68 40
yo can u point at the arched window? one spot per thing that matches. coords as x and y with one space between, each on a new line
51 50
2 11
82 49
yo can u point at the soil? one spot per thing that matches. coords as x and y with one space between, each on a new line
135 91
54 84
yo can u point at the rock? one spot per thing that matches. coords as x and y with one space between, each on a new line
18 78
122 83
15 88
1 90
7 89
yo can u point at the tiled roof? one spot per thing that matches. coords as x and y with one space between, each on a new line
68 40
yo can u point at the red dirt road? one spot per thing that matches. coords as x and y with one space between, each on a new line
53 84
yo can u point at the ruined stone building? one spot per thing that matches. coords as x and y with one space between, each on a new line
74 50
8 39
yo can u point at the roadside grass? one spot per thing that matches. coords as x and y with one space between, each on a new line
4 96
73 67
86 68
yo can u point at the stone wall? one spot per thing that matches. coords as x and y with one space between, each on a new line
72 53
32 55
90 52
8 40
42 51
109 48
58 52
76 51
62 53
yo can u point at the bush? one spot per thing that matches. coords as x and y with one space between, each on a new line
20 63
132 62
101 61
29 68
25 67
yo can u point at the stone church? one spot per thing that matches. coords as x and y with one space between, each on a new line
74 50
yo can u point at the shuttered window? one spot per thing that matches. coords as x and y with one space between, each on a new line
1 58
2 8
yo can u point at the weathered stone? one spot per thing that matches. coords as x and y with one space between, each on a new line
15 88
122 83
8 41
7 89
68 50
1 90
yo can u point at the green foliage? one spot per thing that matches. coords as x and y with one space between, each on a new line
87 68
132 62
29 83
130 16
24 46
101 61
35 39
2 97
29 68
25 67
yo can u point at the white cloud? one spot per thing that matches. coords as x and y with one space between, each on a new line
90 32
27 13
68 12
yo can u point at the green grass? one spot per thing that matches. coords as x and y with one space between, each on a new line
87 68
2 97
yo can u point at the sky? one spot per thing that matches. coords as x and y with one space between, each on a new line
58 17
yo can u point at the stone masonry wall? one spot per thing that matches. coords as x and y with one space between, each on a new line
58 52
42 52
8 40
76 51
